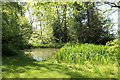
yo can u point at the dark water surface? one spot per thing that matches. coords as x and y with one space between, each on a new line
41 54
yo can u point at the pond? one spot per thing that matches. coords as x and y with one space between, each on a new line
41 54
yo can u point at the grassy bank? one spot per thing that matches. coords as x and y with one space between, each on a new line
23 67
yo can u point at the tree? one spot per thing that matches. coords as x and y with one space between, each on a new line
90 24
15 28
113 4
71 22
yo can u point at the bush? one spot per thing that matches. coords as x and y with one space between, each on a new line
83 53
9 50
114 45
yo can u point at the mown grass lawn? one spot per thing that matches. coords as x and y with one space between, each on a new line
22 67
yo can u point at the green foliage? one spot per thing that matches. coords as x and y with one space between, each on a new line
84 24
114 45
40 37
9 50
59 22
86 53
90 25
15 28
72 22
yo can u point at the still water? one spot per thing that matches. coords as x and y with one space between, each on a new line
41 54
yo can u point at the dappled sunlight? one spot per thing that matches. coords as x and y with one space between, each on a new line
27 68
59 40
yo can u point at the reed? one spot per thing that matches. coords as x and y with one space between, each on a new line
86 53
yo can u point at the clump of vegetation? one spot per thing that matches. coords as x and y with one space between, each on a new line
114 45
86 53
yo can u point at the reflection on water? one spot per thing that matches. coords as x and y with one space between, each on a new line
41 54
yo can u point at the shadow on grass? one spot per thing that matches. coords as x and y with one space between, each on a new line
20 64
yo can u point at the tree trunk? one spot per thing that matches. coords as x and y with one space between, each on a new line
65 37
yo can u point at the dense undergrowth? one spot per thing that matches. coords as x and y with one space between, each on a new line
87 53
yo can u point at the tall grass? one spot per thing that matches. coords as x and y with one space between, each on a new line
86 53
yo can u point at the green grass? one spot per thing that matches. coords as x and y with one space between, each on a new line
24 67
50 45
72 61
87 53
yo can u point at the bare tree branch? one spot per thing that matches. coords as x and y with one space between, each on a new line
113 4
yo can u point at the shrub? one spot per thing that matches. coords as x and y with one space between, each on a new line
114 45
9 50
